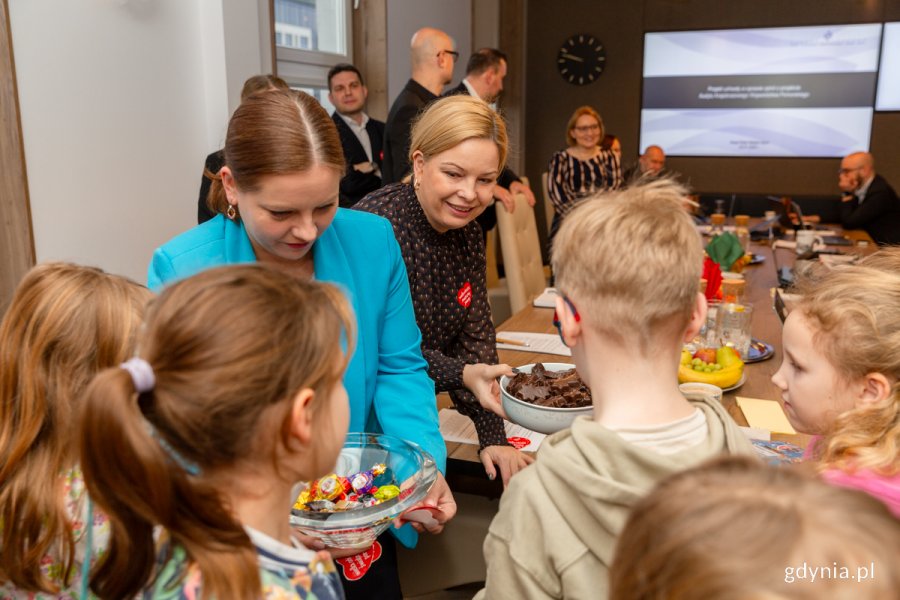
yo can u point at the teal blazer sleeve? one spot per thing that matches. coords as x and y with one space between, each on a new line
361 254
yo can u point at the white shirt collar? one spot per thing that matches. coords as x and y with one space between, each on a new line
469 87
864 188
352 122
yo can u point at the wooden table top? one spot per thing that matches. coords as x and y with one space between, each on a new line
761 280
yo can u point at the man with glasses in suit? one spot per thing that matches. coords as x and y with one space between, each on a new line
868 201
433 55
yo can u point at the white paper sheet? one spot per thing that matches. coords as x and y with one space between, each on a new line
789 245
543 343
458 428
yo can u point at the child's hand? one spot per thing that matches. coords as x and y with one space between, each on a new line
509 459
440 499
481 380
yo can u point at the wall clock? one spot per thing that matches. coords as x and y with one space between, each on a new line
581 59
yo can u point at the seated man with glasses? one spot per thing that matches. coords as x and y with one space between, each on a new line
432 56
626 320
868 201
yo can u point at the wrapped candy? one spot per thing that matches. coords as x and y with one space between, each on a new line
386 492
330 487
362 483
335 493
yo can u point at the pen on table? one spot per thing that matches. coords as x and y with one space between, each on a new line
512 342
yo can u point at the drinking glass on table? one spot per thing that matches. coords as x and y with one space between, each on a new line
733 326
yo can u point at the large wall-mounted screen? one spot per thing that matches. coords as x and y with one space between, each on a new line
888 97
786 91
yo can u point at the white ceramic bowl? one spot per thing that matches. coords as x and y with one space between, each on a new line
540 418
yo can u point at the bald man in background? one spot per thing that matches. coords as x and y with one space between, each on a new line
432 54
868 201
650 165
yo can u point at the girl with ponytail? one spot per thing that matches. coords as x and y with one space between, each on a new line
204 433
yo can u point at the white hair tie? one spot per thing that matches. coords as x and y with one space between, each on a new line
141 374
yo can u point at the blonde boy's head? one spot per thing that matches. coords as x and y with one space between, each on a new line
631 261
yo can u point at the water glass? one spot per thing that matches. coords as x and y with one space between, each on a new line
733 326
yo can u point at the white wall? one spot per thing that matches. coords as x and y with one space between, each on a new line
405 17
121 100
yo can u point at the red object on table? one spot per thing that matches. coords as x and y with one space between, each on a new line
712 273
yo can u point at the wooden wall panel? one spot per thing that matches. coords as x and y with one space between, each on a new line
370 54
16 237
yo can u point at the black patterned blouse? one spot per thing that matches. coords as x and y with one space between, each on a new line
447 281
570 179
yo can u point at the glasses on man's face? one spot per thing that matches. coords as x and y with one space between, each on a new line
452 53
587 128
845 170
557 322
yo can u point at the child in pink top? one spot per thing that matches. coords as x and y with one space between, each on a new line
840 378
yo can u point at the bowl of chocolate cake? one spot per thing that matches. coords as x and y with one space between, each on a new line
545 397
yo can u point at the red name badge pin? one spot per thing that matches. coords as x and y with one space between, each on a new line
464 295
356 566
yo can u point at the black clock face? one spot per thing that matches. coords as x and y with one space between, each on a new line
581 59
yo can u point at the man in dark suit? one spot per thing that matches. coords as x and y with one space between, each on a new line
484 79
432 54
868 201
361 136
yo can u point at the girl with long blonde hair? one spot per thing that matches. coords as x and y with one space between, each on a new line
840 378
65 324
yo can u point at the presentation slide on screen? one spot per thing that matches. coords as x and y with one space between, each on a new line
888 97
787 91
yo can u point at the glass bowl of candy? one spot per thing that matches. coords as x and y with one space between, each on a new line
545 397
377 477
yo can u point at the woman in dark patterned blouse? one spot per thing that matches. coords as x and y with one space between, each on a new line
583 168
458 149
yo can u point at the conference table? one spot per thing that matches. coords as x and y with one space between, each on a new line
464 467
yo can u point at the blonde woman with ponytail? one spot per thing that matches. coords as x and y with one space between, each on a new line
65 324
840 378
204 433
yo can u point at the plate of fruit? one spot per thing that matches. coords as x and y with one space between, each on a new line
721 367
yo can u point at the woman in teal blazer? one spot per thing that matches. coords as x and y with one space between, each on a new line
277 201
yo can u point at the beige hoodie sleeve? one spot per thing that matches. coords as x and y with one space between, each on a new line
507 578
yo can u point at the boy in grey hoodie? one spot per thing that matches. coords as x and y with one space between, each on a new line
627 268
